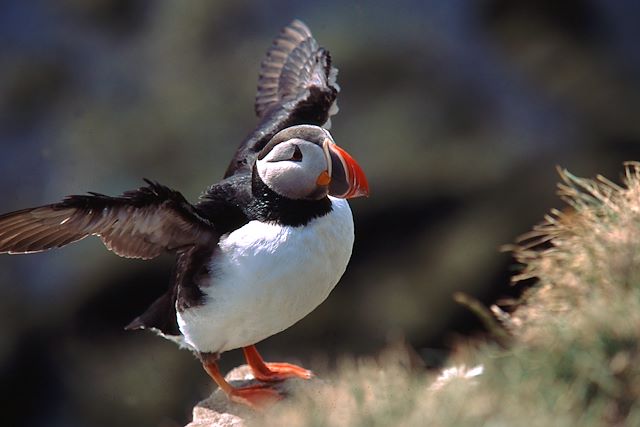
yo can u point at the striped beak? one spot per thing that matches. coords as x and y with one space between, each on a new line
347 178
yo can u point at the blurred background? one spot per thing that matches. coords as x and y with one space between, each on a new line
458 111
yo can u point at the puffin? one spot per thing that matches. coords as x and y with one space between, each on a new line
260 249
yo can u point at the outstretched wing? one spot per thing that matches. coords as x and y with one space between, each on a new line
141 223
297 85
293 64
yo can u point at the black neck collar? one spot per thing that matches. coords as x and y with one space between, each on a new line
269 206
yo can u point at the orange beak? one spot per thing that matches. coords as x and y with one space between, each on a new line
347 178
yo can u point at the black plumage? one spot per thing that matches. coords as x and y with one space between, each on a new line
268 206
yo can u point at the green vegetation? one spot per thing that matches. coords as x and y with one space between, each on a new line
572 357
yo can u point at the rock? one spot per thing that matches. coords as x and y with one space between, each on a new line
218 411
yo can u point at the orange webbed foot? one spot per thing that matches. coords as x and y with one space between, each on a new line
258 397
273 372
255 396
282 371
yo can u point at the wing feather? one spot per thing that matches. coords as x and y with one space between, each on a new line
293 65
142 223
297 85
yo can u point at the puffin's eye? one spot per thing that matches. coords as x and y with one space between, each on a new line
297 154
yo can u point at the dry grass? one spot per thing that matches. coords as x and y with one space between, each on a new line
573 356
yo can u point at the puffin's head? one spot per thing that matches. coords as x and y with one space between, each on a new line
303 162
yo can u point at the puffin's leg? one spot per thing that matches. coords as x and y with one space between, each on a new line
273 372
256 396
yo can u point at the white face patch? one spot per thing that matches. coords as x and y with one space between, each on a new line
286 174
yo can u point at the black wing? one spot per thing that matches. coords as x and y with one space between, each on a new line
141 223
293 64
297 85
222 204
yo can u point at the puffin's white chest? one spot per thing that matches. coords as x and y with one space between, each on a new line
266 277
